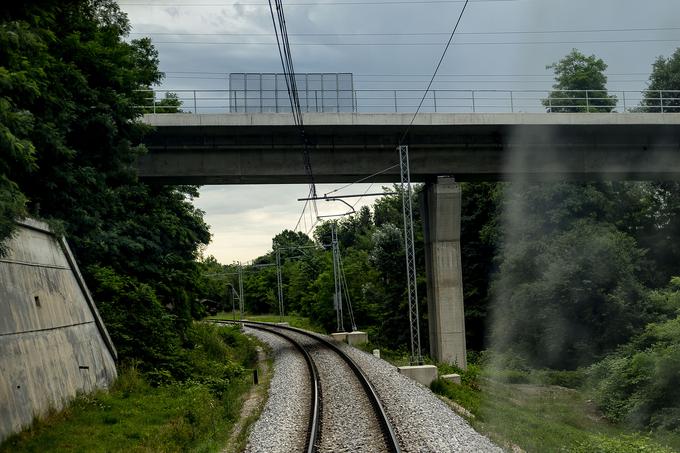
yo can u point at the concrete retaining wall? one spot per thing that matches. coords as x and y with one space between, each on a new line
53 344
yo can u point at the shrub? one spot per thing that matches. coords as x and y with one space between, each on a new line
640 384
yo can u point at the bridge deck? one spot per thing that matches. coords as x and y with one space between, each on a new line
264 148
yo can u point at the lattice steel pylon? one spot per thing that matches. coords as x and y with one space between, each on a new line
241 299
409 251
337 296
279 282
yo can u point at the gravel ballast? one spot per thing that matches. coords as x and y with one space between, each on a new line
348 423
422 421
282 427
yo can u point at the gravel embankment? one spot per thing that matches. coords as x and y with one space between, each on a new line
282 427
348 423
422 422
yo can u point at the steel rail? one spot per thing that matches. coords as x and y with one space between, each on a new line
316 397
388 431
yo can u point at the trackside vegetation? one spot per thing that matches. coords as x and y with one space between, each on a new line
154 411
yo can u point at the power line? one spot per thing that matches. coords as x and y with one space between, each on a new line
384 170
283 45
434 74
383 81
476 33
421 44
428 75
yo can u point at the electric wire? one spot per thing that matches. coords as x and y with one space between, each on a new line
362 196
470 33
434 74
382 82
343 281
286 57
427 75
425 44
384 170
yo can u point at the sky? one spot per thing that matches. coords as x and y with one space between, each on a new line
386 44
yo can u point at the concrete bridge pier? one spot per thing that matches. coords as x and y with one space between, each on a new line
441 212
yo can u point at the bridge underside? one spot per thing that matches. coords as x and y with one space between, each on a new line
265 148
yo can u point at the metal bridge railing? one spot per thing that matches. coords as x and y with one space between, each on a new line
407 100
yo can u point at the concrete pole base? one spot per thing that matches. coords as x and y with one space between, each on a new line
423 374
339 336
455 378
356 337
351 338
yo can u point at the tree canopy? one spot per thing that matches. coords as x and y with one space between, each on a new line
580 85
663 81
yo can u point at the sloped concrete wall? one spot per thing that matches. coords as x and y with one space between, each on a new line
53 343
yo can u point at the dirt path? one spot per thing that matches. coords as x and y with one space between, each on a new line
252 406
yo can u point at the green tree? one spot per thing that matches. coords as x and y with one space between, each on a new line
170 103
69 95
663 92
580 85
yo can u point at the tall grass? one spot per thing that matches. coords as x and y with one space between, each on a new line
194 414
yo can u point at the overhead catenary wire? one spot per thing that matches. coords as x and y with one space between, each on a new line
436 69
343 280
407 211
285 54
384 170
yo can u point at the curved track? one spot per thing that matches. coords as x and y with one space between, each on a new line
314 434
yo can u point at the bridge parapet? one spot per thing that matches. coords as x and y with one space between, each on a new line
436 101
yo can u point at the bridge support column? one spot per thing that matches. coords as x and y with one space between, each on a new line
441 212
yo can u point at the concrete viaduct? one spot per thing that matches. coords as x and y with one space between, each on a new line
264 148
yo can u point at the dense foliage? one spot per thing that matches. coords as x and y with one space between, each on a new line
68 104
640 383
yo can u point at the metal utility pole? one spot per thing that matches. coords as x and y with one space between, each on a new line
279 282
241 298
409 251
337 297
234 298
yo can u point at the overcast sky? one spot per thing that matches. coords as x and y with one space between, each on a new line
501 44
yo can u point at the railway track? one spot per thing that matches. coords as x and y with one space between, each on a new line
345 409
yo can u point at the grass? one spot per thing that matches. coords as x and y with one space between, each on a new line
300 322
537 411
542 417
194 415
